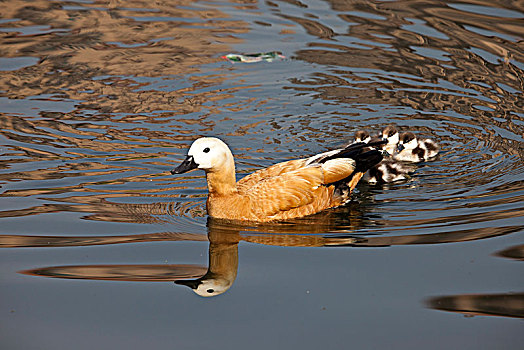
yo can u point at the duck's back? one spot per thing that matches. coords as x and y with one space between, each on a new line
274 170
283 191
294 188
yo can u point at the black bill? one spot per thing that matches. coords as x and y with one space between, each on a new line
193 284
187 165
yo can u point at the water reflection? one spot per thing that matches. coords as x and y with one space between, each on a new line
222 266
507 305
137 273
99 99
17 241
94 53
223 237
223 254
105 110
516 252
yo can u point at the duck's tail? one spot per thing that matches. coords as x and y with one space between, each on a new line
355 150
364 161
365 157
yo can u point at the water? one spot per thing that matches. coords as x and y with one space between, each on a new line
98 100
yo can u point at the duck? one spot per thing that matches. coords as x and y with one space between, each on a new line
285 190
388 170
411 149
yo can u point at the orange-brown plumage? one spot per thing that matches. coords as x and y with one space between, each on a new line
282 191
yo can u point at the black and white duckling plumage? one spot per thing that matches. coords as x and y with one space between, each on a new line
388 170
377 141
362 136
390 133
411 149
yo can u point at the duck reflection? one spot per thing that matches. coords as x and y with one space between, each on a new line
223 237
223 264
217 278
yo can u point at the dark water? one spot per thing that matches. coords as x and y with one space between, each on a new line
98 100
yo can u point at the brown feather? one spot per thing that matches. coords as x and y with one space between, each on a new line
354 180
282 191
337 169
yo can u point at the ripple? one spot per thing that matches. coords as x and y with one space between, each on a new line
99 100
95 111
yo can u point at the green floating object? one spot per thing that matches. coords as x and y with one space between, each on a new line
254 57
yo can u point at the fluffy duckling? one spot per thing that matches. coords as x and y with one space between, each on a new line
362 136
413 150
285 190
388 170
390 133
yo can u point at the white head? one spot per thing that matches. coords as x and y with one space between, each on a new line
408 141
210 153
212 287
207 153
207 286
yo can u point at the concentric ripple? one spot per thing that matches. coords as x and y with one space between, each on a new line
98 102
100 99
93 129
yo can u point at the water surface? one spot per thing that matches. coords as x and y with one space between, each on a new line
99 100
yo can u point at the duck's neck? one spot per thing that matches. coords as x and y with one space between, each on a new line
222 182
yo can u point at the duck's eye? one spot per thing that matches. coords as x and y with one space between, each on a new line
210 290
206 150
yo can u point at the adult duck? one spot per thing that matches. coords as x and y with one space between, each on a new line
282 191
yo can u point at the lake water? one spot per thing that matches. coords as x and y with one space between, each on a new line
100 99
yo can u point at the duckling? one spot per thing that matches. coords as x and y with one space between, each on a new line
413 150
390 133
362 136
388 170
282 191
